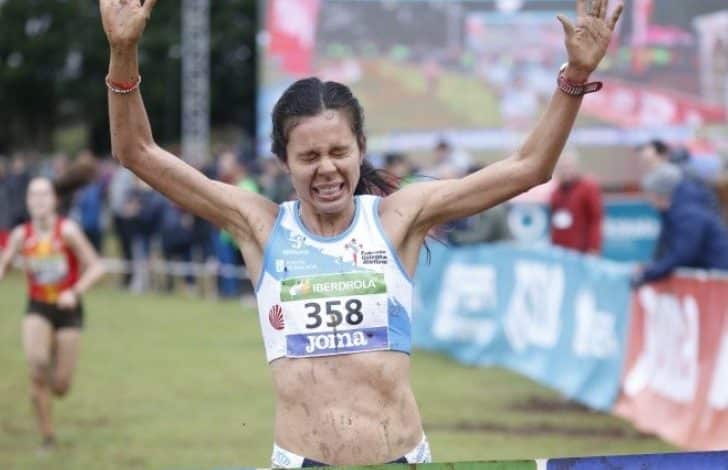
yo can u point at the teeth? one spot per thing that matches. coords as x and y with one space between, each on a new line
328 190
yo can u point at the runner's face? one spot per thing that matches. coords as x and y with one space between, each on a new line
41 199
324 162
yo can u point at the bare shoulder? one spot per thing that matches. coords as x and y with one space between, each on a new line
16 237
70 230
18 232
74 236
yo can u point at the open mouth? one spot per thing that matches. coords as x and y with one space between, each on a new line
329 192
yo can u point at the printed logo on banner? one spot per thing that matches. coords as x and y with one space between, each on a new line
596 333
533 317
718 396
669 361
467 290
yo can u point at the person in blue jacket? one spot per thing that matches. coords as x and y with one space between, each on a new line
692 236
656 152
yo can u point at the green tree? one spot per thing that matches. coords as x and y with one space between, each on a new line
54 57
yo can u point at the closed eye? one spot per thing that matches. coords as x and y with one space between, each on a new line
340 151
308 157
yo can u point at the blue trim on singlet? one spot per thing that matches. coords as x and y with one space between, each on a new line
269 247
395 254
322 238
400 328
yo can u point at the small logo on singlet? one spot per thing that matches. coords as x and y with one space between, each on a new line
342 340
297 241
275 316
280 265
355 248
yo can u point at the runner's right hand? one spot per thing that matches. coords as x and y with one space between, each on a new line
124 21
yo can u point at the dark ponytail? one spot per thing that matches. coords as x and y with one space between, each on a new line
310 97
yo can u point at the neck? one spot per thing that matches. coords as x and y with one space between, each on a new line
326 225
44 223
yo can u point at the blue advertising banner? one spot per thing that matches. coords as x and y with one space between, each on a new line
675 461
553 315
629 231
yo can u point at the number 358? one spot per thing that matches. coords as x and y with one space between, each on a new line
334 316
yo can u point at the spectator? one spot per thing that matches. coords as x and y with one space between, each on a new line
274 183
721 187
5 218
178 233
145 207
68 178
693 235
16 186
399 166
87 211
489 226
231 170
692 187
449 162
121 189
576 208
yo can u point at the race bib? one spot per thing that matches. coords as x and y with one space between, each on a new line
47 271
563 219
335 314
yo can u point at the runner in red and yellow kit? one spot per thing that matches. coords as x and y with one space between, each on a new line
53 250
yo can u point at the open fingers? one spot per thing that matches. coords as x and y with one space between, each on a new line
568 27
148 6
580 8
603 4
615 16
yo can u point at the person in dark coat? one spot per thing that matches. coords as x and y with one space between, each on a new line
692 236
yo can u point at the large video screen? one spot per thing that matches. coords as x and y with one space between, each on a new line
481 72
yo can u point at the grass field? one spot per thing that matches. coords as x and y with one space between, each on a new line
178 383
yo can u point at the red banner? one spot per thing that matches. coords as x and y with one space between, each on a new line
675 382
629 105
292 34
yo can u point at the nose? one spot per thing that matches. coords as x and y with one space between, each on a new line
326 165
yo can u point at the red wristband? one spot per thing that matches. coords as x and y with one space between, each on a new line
575 89
123 87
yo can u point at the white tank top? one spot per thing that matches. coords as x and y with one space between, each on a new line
323 296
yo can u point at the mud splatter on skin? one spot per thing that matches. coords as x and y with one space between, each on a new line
333 423
313 373
325 451
385 429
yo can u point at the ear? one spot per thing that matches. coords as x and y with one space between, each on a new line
284 165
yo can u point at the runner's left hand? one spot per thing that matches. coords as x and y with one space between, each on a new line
587 41
67 300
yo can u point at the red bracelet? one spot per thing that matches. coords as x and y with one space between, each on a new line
575 89
123 88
